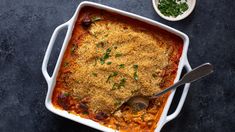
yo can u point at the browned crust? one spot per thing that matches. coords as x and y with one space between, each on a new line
139 121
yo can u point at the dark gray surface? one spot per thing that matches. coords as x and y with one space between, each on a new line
26 27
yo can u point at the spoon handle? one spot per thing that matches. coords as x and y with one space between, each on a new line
195 74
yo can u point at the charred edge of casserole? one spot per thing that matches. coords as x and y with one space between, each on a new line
62 100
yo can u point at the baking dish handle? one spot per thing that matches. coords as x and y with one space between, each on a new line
48 51
183 96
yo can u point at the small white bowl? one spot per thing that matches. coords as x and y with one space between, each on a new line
191 5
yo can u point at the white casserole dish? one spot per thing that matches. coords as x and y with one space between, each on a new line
51 80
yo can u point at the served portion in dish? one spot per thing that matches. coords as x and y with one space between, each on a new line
111 58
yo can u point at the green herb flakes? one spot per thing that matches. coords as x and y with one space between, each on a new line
105 56
85 113
135 67
120 84
109 63
95 61
115 73
118 55
96 18
115 86
136 76
106 35
134 91
66 94
111 75
117 102
66 64
121 66
172 7
74 47
135 72
102 61
94 74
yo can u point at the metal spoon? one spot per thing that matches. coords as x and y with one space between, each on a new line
142 102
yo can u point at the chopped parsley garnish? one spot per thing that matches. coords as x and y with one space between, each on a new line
96 18
106 35
115 86
95 62
94 74
118 55
120 84
134 91
172 7
66 94
135 67
121 66
115 73
117 102
112 75
135 76
74 47
85 112
106 55
135 73
66 64
109 63
102 61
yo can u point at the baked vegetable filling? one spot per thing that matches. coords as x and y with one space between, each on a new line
111 58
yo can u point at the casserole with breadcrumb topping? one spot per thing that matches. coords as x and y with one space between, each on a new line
111 58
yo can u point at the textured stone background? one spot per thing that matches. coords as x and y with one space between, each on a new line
26 27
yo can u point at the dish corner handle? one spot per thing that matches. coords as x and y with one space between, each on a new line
183 96
48 51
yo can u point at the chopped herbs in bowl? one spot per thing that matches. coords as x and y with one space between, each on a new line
174 10
172 7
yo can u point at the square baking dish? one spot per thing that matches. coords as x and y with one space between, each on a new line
51 80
